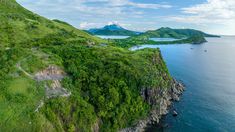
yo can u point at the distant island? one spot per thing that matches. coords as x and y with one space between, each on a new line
182 36
112 29
55 77
166 32
163 32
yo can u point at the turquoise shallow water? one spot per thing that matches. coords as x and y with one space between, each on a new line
208 104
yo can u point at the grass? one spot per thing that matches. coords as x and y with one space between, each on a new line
19 25
105 81
19 103
20 86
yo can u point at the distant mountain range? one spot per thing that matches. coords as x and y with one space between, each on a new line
164 32
112 29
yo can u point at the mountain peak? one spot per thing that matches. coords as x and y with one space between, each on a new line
164 28
113 27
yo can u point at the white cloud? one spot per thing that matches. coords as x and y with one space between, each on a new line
212 12
216 9
93 13
100 7
137 5
86 25
113 22
150 6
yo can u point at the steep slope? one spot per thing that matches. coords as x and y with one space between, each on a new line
112 30
54 77
18 25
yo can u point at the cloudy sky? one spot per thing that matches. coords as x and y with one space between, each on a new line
212 16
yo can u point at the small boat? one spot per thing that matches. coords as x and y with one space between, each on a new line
175 113
205 50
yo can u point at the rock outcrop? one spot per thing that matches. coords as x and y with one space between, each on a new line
55 74
50 73
160 100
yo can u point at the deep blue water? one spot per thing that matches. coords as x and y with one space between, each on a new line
208 104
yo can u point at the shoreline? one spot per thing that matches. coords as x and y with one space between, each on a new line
160 106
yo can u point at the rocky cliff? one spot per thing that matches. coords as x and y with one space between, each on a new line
160 101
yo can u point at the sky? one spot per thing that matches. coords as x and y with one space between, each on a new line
211 16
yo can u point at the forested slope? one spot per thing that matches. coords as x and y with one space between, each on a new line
105 82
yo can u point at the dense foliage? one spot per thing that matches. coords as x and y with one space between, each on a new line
105 81
140 40
109 80
19 94
174 33
189 36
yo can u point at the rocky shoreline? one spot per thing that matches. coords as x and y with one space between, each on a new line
160 101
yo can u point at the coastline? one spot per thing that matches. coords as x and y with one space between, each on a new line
161 101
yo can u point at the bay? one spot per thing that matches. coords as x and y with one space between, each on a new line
208 71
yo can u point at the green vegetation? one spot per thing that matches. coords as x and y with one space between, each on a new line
140 40
19 94
108 80
189 36
174 33
105 81
19 25
112 30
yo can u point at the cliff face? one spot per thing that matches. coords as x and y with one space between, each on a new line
160 101
107 88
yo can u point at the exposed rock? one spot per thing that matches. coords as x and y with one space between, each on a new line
160 99
55 74
56 92
50 73
95 127
90 43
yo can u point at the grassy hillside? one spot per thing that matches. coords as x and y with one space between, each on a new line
105 81
19 25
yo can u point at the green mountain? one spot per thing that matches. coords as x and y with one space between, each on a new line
19 25
141 40
175 33
112 30
189 36
54 77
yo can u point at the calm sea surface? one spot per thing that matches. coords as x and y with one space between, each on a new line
208 71
163 39
112 37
